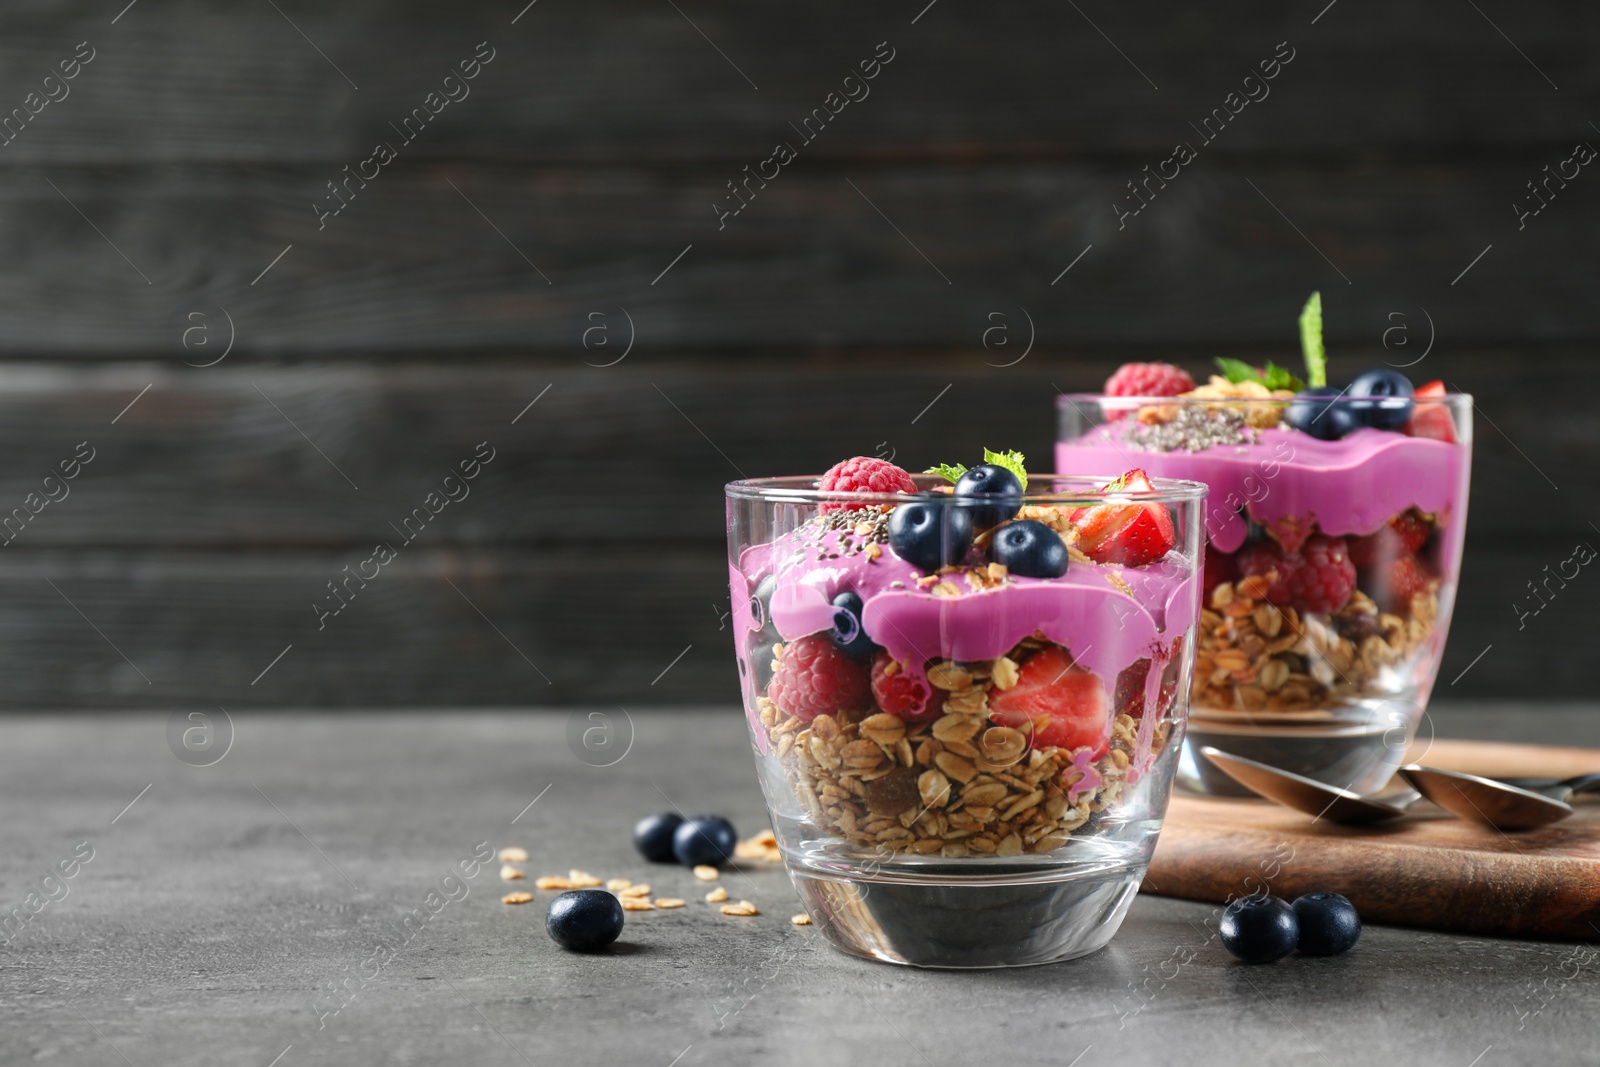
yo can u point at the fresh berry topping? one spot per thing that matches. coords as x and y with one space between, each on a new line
1399 580
815 677
864 474
1148 379
930 535
897 691
1328 924
652 836
704 840
1381 398
1259 929
1322 413
847 631
1291 531
1129 534
1324 577
991 480
1412 529
1220 568
1029 549
584 920
1056 703
1431 417
1267 559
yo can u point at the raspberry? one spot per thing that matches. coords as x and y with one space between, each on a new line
864 474
1149 379
1324 578
898 693
1401 580
815 678
1265 557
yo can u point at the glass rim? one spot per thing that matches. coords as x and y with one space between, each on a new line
802 489
1063 399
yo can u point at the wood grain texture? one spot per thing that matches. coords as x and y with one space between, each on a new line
1429 869
630 80
257 454
411 266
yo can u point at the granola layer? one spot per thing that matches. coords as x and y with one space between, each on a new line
1252 656
955 785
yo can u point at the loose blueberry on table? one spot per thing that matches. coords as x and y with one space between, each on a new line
652 836
584 920
1328 922
1259 929
704 840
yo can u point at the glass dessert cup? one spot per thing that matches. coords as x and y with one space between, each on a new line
964 768
1330 572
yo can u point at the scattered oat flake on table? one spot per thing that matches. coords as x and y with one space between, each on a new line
552 881
800 920
668 902
617 885
759 847
635 904
717 895
706 873
635 891
513 855
509 873
582 879
516 898
744 907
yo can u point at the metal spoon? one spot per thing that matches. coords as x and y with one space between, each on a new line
1507 804
1309 795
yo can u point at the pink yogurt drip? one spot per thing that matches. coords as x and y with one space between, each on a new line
1351 486
1105 629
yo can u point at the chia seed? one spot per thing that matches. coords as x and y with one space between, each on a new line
1194 429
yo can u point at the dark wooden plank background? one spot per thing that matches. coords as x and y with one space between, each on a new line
138 214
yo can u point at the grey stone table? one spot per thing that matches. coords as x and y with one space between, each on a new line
212 911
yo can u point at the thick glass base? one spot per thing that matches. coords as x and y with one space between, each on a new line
946 916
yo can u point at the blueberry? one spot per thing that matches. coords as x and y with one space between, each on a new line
1259 929
1316 413
847 632
1329 924
652 836
931 535
584 919
1381 398
707 839
991 481
1029 549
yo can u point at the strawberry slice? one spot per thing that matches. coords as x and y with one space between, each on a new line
1055 703
1130 534
1431 420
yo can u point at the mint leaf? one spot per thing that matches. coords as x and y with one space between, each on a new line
1311 342
1011 461
1275 377
952 471
1237 370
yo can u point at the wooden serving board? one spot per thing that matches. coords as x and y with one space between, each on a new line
1428 869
